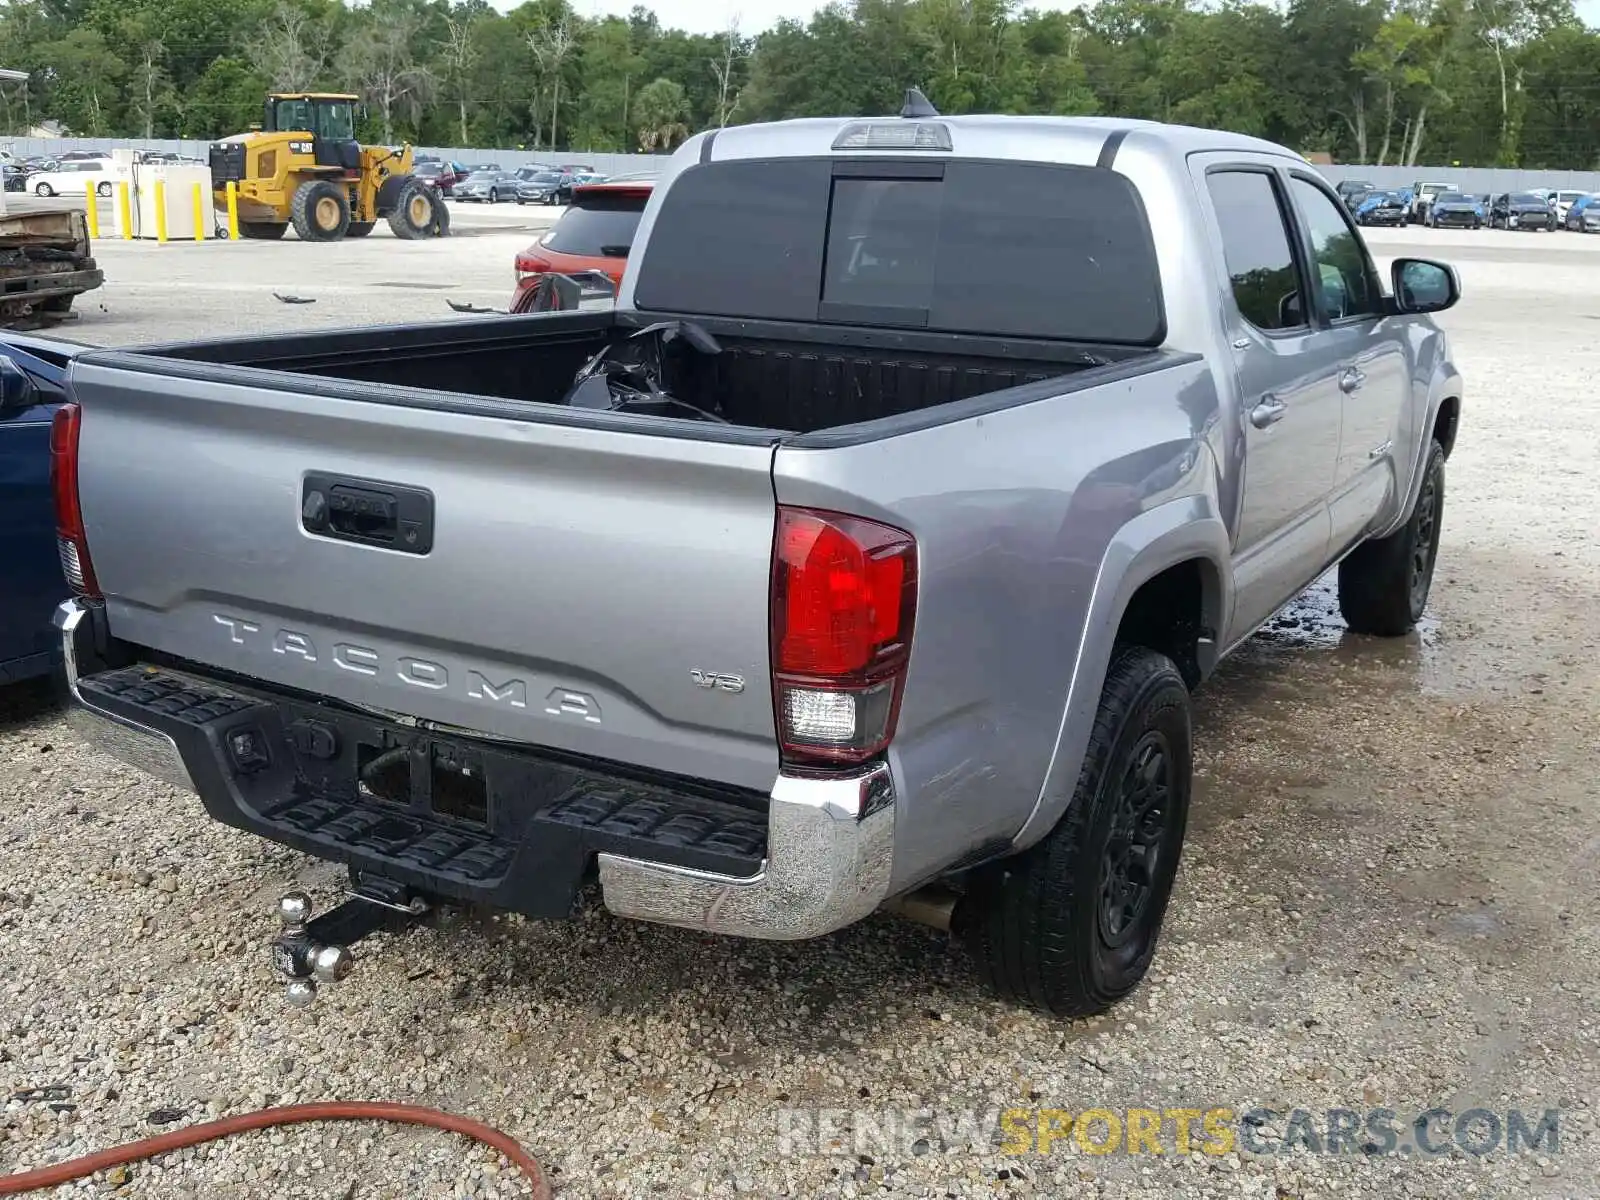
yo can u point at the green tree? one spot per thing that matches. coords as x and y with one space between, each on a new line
85 78
661 113
226 99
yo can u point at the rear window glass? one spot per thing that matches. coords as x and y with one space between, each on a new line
597 226
1011 249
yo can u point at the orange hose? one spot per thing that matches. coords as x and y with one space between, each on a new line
267 1118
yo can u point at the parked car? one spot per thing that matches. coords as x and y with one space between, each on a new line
1563 200
487 186
440 174
1583 214
1422 195
1352 191
72 176
547 187
16 178
594 234
1455 210
753 598
1521 210
32 375
1382 208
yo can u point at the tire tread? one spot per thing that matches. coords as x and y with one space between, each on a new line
1018 934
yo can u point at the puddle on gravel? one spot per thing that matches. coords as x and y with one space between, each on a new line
1312 622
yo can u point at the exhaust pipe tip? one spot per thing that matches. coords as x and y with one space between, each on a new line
933 906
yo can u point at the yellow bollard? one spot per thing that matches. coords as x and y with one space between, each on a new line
199 214
161 210
233 211
125 209
92 213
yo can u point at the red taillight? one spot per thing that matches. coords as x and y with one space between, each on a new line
528 264
71 540
844 596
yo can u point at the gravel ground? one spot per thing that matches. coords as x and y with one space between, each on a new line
1389 899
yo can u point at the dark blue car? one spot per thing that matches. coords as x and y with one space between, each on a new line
32 373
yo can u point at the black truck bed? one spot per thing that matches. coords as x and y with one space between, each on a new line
769 375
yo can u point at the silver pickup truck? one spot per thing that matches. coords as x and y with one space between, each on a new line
865 556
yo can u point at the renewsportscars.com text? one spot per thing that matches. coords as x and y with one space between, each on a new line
1217 1130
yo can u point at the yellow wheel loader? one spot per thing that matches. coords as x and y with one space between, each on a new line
305 168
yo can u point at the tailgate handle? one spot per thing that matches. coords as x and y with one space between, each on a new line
368 512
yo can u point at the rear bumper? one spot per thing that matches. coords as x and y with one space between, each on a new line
153 752
817 859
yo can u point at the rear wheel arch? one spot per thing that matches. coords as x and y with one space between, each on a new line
1178 612
1180 552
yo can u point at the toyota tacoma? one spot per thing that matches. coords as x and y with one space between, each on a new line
865 555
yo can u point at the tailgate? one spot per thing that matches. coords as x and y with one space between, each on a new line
578 589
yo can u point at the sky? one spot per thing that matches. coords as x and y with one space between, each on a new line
712 16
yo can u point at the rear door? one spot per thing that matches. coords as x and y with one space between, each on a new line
1288 390
1374 380
553 584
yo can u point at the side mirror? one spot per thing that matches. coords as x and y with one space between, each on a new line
17 389
1424 286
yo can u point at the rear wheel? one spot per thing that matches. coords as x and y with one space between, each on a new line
262 231
414 216
103 189
43 189
360 228
1071 924
320 211
1384 584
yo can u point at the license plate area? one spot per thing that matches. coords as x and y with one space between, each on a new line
424 775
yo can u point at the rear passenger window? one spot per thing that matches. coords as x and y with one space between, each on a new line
1255 245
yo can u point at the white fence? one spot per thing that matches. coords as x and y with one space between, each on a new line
1474 180
1468 179
607 164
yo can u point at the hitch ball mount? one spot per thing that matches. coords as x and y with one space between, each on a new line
312 951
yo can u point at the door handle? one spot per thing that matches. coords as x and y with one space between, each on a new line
1350 379
1269 412
367 512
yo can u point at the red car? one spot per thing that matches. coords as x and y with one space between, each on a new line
594 234
440 174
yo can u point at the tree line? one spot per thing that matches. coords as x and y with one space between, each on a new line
1475 82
